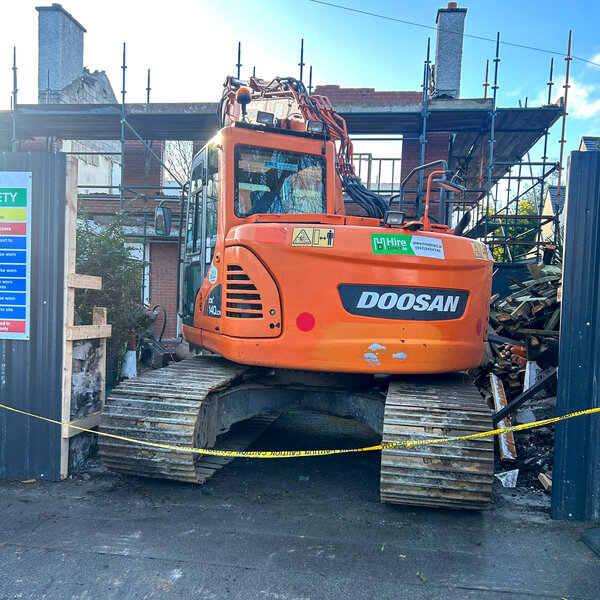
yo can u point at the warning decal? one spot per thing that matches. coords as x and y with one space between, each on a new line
480 251
300 238
316 237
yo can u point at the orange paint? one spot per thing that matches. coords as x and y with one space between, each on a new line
264 322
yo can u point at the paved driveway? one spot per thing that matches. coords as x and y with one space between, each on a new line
292 529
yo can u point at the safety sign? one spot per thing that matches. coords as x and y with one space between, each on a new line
15 254
480 251
313 236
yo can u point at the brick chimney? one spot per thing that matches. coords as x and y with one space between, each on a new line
448 51
60 42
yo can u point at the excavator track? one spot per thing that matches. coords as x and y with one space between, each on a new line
174 406
452 475
180 405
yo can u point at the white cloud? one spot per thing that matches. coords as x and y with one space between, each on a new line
583 98
595 59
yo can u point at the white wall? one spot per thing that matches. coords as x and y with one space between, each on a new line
93 169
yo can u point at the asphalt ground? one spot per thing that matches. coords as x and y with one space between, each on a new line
285 529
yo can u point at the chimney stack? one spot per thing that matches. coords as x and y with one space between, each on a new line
448 51
60 42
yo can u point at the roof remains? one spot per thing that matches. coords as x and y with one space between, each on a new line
516 129
590 143
557 204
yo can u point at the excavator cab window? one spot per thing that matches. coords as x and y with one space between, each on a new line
202 221
212 199
203 205
270 181
194 229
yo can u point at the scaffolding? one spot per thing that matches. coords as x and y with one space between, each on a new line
488 149
506 189
513 226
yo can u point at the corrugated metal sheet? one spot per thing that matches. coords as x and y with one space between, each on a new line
576 478
31 371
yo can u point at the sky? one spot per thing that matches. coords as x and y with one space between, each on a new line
191 45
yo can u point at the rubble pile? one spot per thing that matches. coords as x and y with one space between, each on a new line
531 317
523 348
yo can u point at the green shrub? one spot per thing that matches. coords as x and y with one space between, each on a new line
523 230
101 251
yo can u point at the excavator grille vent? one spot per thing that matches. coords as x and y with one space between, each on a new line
242 300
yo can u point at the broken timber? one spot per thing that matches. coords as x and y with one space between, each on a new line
506 441
542 384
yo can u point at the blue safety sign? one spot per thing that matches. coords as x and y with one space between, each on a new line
17 242
15 254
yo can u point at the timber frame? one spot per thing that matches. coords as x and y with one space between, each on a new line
99 329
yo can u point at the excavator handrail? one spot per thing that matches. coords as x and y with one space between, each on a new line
416 170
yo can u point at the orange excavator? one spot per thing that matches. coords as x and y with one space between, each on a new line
303 290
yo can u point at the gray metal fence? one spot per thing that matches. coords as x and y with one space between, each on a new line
576 477
31 371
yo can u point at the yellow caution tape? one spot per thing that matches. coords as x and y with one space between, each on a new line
298 453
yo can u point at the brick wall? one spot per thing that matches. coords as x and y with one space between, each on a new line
341 95
163 284
138 160
39 144
111 206
435 149
88 88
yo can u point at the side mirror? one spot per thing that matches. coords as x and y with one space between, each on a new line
162 221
